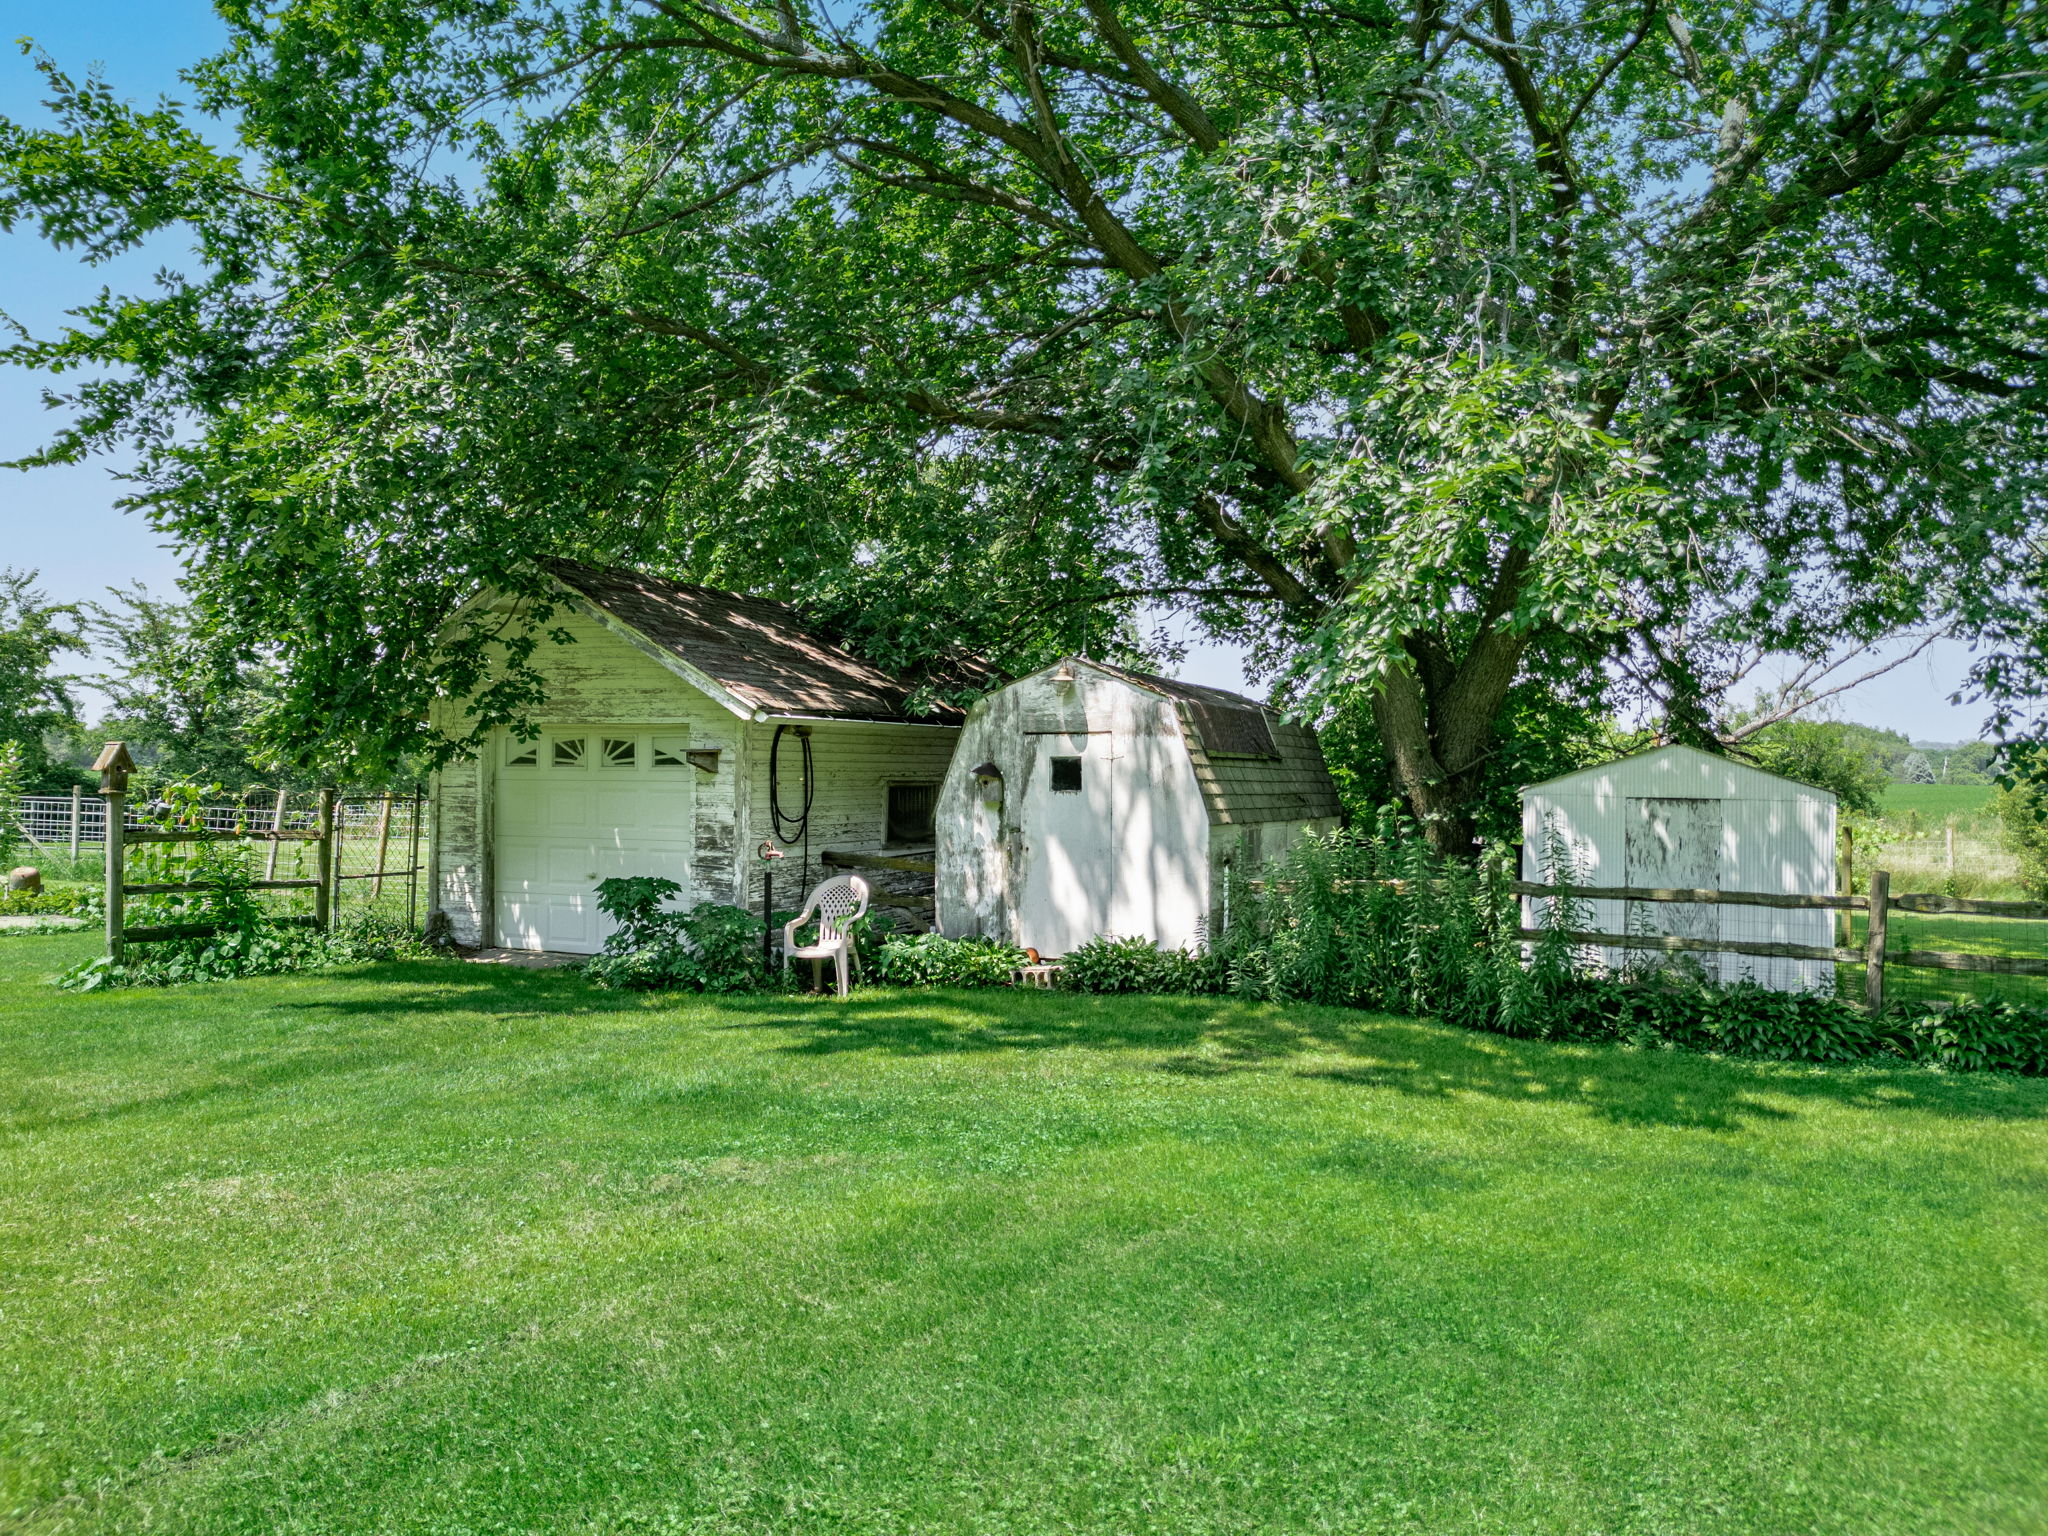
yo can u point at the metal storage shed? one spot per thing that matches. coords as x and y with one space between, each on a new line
1088 800
1677 817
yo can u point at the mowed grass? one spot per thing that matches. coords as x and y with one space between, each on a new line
446 1248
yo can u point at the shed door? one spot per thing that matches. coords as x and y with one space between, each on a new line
1070 852
1675 842
578 806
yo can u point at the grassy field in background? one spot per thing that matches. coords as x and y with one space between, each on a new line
452 1248
2024 937
1934 801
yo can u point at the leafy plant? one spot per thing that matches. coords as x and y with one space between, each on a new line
13 778
932 960
1983 1035
265 949
37 903
709 948
1137 965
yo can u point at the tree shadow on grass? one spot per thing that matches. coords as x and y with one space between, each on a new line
1209 1038
1204 1038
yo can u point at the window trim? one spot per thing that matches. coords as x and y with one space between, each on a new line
889 789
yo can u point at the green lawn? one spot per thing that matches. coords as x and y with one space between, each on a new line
442 1248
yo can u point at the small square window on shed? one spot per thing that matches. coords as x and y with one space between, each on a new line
522 754
911 808
1066 775
568 752
670 751
620 752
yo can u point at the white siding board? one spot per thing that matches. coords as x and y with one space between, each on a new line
600 680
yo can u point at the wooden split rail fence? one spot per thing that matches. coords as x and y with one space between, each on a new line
121 836
1879 903
324 834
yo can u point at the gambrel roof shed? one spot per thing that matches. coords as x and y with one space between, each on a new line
1086 799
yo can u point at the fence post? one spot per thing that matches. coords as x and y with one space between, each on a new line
113 766
77 806
324 862
276 826
383 845
412 876
116 861
1873 953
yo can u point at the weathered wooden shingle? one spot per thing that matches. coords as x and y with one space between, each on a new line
760 650
1253 765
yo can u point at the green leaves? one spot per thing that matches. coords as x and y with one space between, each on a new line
1366 335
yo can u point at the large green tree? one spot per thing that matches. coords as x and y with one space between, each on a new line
35 697
1428 348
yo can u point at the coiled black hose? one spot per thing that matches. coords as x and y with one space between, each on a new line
788 828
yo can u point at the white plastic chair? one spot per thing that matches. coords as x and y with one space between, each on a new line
838 902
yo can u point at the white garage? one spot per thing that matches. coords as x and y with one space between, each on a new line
579 805
1679 818
682 728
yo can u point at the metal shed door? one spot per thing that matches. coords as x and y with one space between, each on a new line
1674 842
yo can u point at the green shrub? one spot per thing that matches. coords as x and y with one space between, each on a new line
1983 1035
261 949
1370 918
1138 965
710 948
931 960
40 903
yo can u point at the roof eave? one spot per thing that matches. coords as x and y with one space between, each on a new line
732 699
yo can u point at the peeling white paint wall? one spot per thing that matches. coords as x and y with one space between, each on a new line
1127 854
600 680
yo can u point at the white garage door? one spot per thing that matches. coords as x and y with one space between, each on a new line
578 806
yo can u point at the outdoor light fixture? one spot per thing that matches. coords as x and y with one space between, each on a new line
1064 677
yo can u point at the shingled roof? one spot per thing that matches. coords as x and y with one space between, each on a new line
1252 763
762 652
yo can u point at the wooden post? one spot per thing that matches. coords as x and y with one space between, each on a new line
113 766
383 843
276 826
1845 881
77 806
412 876
1873 952
116 862
324 863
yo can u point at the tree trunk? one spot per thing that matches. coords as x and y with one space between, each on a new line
1436 724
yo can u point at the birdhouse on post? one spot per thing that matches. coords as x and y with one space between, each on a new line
113 765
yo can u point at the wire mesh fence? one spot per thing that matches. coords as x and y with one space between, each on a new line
1971 934
378 849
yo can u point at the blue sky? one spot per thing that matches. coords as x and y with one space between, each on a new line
63 522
